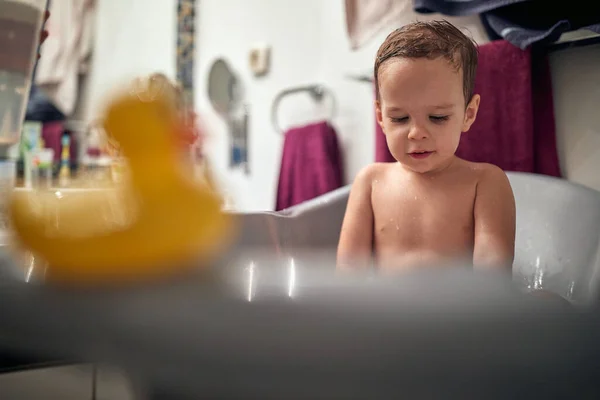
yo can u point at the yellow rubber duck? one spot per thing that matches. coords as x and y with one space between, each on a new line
157 223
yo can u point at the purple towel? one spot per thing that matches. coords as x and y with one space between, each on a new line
311 164
515 127
52 133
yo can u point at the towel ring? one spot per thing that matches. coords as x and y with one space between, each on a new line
317 92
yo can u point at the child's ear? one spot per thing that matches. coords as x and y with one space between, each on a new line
379 114
471 112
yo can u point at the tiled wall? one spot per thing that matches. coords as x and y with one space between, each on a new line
186 15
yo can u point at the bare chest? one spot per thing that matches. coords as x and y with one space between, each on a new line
434 215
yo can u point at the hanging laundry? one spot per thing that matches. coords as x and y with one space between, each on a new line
65 53
311 164
365 18
461 7
521 22
40 107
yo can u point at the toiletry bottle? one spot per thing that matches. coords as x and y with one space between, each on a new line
64 175
44 161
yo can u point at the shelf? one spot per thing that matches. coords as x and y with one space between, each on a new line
580 38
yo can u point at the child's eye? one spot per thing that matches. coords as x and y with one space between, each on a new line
438 118
399 120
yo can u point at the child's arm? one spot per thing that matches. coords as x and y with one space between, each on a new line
356 238
495 220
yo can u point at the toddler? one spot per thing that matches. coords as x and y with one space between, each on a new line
430 206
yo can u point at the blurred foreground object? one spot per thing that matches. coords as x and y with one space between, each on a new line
157 221
276 327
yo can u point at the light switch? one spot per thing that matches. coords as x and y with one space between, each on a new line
259 59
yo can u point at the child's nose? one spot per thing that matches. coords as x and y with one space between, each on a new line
418 132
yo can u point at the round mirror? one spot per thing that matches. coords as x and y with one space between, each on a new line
221 87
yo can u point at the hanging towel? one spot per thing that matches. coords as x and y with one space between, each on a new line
311 164
515 127
365 18
40 108
521 22
544 126
52 133
461 7
65 53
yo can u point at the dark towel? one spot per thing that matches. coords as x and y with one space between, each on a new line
40 107
544 127
463 7
515 127
521 22
311 164
52 133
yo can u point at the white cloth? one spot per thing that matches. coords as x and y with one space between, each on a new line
64 55
365 18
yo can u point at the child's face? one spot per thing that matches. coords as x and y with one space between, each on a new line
421 110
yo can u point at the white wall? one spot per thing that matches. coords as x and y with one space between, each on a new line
309 45
132 38
576 87
227 28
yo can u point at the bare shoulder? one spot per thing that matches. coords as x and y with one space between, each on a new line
484 173
370 173
495 218
492 175
491 179
374 170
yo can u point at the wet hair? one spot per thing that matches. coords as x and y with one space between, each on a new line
431 40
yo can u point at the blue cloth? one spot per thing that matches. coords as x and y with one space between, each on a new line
40 108
523 23
461 7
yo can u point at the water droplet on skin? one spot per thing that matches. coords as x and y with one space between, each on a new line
415 197
397 227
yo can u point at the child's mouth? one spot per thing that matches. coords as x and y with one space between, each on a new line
420 154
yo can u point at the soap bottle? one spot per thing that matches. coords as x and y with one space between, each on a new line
64 174
41 168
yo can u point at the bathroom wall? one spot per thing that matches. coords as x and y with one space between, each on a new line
309 45
321 54
576 86
132 37
227 28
